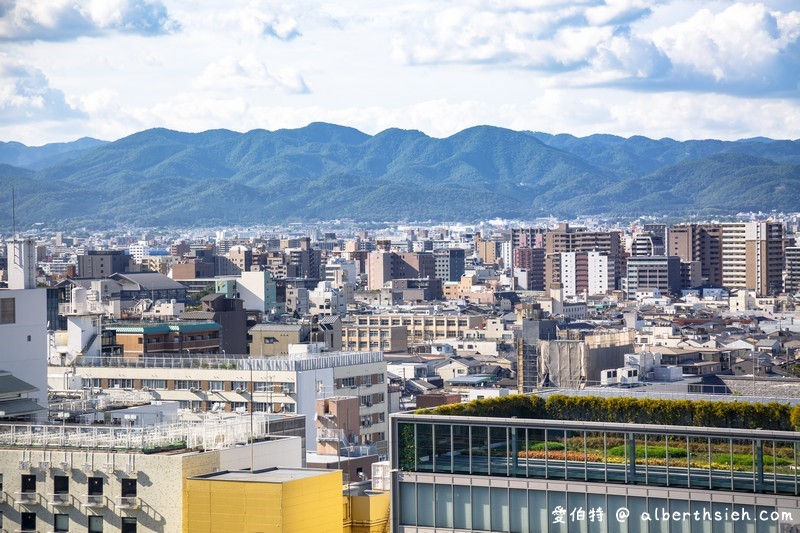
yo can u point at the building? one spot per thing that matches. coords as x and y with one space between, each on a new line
698 242
654 272
753 257
102 263
366 338
274 499
385 266
100 478
423 328
566 239
792 274
532 260
144 339
449 264
279 384
230 314
534 473
578 361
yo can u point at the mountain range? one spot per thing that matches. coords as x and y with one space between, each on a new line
160 177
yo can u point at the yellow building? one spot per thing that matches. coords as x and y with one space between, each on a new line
285 500
366 512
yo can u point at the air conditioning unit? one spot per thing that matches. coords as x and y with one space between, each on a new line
65 466
192 389
87 468
44 465
24 465
239 391
109 467
146 389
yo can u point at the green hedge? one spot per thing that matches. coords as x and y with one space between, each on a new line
772 416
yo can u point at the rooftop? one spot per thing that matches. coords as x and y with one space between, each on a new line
269 475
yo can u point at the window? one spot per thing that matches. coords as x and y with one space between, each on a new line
28 521
91 383
95 524
216 386
60 485
28 483
129 525
187 384
61 522
349 382
240 386
129 488
8 314
117 383
95 486
154 383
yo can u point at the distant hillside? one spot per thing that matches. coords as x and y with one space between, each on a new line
324 171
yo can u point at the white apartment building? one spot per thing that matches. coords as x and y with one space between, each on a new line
138 251
277 384
753 256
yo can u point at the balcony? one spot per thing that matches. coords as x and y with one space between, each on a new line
27 498
94 501
60 500
128 502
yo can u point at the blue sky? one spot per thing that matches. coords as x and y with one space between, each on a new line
660 68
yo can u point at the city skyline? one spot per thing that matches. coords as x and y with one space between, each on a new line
679 69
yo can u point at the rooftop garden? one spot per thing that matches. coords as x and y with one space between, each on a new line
722 414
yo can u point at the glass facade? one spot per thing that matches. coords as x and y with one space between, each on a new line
514 475
532 511
764 462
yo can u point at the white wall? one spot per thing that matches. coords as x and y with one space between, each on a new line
23 344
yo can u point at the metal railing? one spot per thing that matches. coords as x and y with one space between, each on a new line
208 434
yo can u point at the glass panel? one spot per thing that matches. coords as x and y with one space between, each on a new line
594 456
659 514
61 522
425 504
726 524
480 450
746 519
462 507
500 510
578 512
499 451
556 454
766 522
615 503
444 506
442 455
679 526
461 449
637 506
558 512
597 513
780 469
516 449
518 513
676 457
424 447
408 504
481 509
703 525
741 455
538 512
616 454
405 447
720 464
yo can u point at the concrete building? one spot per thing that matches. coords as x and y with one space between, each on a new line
230 314
753 257
144 339
654 272
532 260
449 264
792 273
124 479
423 328
366 338
102 263
384 266
279 384
570 363
568 239
698 242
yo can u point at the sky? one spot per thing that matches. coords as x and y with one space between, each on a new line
685 69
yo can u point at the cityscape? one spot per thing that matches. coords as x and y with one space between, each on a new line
513 266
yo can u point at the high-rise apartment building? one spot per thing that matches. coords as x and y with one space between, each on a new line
385 266
792 274
698 242
568 239
753 256
449 264
102 263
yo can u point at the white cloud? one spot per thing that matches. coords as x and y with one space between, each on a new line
249 72
26 95
258 18
57 20
743 47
